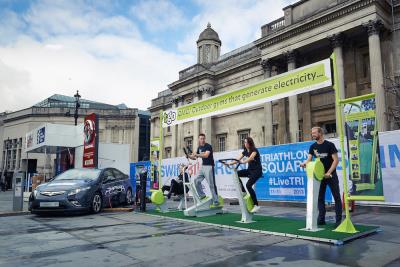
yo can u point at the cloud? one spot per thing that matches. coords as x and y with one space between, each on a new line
14 80
238 22
69 48
48 18
10 26
64 46
158 14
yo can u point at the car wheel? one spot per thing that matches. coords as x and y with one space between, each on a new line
97 203
128 199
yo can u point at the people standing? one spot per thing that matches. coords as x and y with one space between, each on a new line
205 152
328 154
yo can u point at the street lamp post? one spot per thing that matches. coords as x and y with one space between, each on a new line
77 105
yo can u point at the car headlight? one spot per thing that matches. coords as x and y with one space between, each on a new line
35 192
77 190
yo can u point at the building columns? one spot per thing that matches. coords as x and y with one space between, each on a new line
268 123
174 132
375 58
180 134
337 45
293 109
207 123
196 123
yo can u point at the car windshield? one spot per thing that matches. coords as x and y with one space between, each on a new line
79 174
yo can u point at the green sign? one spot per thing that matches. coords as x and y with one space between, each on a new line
311 77
363 149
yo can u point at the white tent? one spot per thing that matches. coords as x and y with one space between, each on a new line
49 137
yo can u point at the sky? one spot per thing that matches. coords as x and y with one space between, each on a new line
113 51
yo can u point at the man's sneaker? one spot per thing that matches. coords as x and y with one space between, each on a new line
255 209
321 223
215 205
203 198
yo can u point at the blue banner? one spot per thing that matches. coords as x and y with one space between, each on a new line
284 179
134 176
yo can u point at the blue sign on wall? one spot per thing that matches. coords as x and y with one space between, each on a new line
41 135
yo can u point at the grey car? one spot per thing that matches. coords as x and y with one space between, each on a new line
82 190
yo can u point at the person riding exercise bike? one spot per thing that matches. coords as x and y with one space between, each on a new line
205 152
254 170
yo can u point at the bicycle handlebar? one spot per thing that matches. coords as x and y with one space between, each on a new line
225 162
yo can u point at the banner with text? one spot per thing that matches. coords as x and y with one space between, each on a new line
363 150
301 80
283 180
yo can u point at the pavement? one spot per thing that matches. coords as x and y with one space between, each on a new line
136 239
6 202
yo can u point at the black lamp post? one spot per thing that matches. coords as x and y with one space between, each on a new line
77 105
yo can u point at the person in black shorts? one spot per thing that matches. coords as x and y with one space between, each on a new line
327 153
176 186
254 170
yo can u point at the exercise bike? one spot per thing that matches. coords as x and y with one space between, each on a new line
160 200
245 201
201 207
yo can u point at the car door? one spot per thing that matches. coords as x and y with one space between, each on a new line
121 185
108 186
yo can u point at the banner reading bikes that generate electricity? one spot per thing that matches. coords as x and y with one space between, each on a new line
311 77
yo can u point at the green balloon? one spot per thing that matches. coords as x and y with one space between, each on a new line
157 197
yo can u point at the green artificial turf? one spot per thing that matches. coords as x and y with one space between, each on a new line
269 224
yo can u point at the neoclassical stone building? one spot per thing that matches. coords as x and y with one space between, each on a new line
117 124
363 33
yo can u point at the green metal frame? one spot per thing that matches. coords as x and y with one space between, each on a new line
161 151
346 226
157 196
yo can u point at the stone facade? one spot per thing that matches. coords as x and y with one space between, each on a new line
120 125
363 34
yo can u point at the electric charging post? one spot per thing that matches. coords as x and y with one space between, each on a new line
18 191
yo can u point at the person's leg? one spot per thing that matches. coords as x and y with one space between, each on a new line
165 188
242 173
173 188
249 186
197 183
210 177
321 202
334 186
179 188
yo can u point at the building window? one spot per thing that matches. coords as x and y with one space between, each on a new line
330 129
189 142
365 65
168 129
243 135
301 134
274 134
221 139
115 135
167 152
